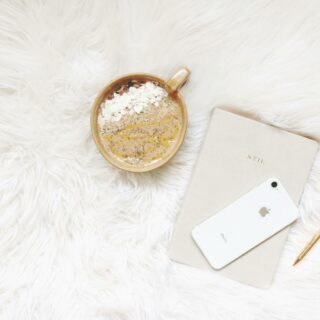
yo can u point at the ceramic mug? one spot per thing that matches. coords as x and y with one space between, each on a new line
172 86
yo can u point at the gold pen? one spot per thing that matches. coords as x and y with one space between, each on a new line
307 248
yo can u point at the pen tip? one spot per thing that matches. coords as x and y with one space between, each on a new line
295 262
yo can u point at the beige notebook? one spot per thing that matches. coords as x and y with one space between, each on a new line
238 154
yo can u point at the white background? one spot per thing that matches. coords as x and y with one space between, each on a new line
80 239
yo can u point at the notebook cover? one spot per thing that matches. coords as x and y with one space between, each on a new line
238 154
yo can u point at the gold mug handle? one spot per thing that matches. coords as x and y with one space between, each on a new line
178 79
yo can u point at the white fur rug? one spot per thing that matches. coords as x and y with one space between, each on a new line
80 239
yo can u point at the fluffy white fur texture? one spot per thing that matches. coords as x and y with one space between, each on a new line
80 239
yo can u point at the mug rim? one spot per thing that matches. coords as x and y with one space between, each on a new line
95 128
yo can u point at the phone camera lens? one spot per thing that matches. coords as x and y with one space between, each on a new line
274 184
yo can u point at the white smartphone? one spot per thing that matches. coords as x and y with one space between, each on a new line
245 223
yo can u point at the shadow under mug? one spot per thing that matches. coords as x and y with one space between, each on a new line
172 86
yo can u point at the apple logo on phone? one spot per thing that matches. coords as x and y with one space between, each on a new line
264 211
